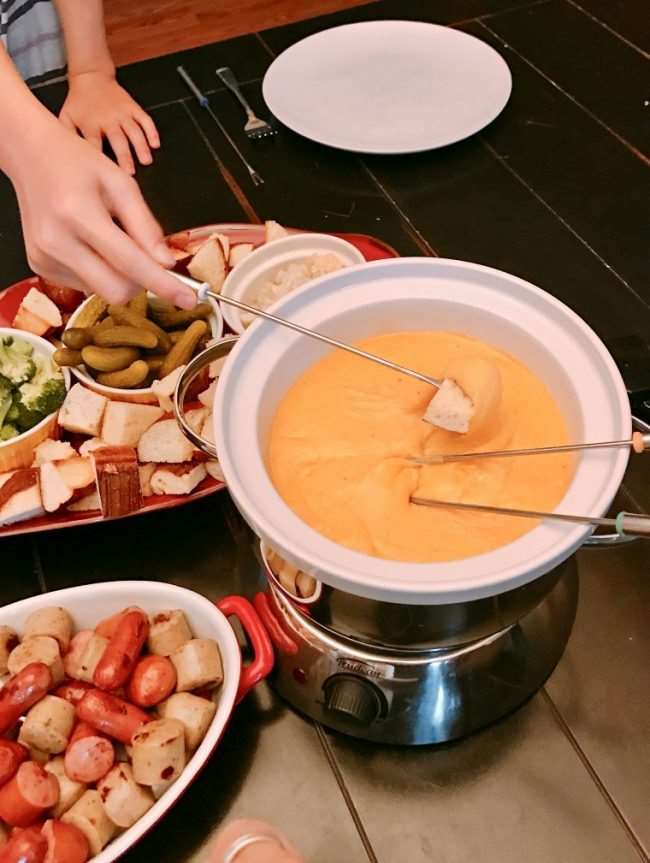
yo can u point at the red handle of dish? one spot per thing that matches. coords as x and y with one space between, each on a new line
279 637
262 663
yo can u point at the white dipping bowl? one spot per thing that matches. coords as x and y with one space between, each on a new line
422 294
261 266
144 395
19 451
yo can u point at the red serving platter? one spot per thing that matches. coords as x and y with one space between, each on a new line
10 299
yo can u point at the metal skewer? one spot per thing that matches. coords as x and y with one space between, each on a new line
639 442
203 291
203 102
625 523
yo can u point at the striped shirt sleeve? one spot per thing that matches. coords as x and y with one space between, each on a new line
31 33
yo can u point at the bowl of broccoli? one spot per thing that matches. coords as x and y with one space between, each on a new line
32 389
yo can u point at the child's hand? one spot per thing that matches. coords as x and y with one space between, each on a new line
98 107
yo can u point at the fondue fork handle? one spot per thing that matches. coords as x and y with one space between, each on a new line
203 291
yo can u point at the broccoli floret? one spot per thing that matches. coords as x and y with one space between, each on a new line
6 398
17 360
39 397
7 432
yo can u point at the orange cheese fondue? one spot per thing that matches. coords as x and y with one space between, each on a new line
339 441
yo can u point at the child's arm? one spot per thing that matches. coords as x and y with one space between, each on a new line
69 194
96 105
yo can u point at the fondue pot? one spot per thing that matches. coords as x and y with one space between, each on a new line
415 652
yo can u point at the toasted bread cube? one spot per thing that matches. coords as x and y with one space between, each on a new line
238 253
164 389
52 450
20 496
37 313
209 265
82 411
54 490
165 442
177 478
274 231
450 408
124 423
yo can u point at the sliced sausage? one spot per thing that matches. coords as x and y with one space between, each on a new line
22 692
117 718
12 756
159 752
88 816
27 846
197 663
65 843
48 725
168 630
8 641
25 797
195 713
69 790
124 801
121 655
41 648
153 679
73 691
53 621
108 627
89 755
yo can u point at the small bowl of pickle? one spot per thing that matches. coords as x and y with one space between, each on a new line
120 350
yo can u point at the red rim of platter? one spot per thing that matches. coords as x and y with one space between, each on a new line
10 298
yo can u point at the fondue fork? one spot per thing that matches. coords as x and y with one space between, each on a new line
625 523
639 443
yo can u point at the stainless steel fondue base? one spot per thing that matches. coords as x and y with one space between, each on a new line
423 696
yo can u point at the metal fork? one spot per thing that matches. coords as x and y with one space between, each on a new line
254 128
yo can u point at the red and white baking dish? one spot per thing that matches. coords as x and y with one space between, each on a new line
91 603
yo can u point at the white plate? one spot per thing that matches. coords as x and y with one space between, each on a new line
388 86
91 603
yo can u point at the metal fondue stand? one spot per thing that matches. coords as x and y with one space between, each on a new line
408 674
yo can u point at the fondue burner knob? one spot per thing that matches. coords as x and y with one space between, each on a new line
353 698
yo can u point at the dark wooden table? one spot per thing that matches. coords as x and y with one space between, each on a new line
556 191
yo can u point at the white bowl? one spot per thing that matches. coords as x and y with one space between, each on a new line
421 294
18 452
145 395
260 266
88 605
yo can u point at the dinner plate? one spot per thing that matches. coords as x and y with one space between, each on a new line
388 86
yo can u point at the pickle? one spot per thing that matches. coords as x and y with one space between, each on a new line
126 317
155 363
139 304
67 357
90 313
184 348
76 338
135 375
170 318
121 336
109 359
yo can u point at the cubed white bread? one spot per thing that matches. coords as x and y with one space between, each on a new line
37 313
69 790
197 664
51 620
274 231
165 442
82 411
54 490
77 472
195 418
167 481
215 368
48 725
207 431
88 815
214 470
209 265
239 252
52 450
88 503
125 423
450 408
207 396
92 444
158 752
41 648
164 389
168 630
124 801
224 242
24 504
8 641
194 712
146 472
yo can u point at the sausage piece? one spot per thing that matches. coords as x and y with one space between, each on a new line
52 621
12 756
168 630
124 801
41 648
117 718
195 713
22 692
88 816
27 846
197 663
89 755
65 843
25 797
69 790
121 655
8 641
73 691
48 725
159 752
107 627
153 679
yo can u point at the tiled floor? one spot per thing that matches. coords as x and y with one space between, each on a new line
556 190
